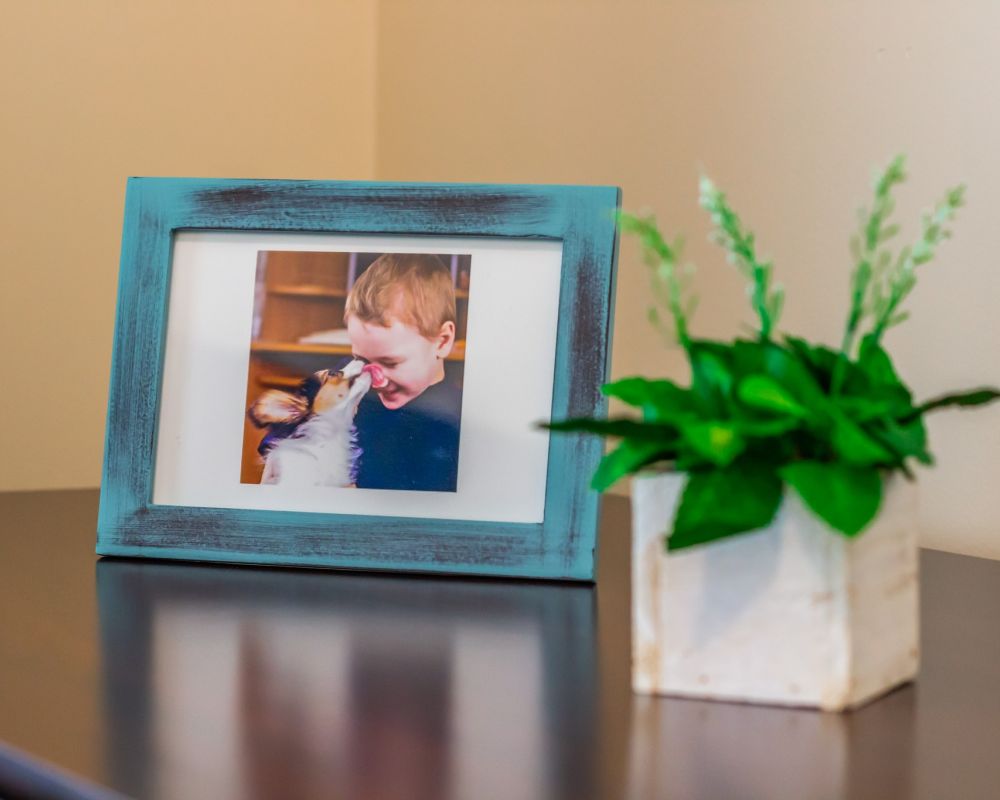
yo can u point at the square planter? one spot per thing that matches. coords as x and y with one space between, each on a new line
792 614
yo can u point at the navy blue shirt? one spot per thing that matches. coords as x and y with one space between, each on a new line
413 447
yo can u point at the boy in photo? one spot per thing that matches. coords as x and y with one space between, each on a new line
400 316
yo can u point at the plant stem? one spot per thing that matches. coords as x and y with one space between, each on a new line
902 279
668 285
864 246
766 301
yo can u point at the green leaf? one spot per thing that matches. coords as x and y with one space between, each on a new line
875 363
856 447
625 459
975 397
874 379
691 461
820 361
908 440
660 400
719 442
711 376
789 372
844 497
765 393
717 368
724 502
766 428
747 355
616 427
898 398
864 409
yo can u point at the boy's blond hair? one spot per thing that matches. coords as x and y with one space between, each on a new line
414 288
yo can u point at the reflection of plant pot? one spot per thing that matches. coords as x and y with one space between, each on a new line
793 614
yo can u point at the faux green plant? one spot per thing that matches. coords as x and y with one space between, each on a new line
775 410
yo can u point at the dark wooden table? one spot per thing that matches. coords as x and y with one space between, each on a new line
168 680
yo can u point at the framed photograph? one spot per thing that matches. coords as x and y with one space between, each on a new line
351 375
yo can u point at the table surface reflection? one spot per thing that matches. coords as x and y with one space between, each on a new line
168 680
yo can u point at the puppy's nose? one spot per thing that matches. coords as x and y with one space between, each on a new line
352 369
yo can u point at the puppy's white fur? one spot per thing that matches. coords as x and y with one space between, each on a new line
321 451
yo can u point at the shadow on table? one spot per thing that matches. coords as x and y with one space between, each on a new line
242 682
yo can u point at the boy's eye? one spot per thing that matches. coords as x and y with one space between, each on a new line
390 364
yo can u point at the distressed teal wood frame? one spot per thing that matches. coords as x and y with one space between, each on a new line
562 546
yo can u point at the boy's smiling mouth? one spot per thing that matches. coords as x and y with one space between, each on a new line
391 395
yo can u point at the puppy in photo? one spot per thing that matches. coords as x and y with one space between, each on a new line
311 439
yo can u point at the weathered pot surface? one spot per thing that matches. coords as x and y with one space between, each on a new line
792 614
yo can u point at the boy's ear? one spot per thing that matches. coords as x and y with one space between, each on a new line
446 339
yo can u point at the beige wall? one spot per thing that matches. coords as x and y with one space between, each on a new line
94 92
789 106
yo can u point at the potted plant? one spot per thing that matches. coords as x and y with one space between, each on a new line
774 546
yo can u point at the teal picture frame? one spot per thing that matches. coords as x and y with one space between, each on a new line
562 546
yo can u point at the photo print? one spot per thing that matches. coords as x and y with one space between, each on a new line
356 370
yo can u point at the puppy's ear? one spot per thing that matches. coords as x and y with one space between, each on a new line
275 406
310 387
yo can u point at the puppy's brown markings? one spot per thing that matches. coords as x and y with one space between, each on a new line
333 391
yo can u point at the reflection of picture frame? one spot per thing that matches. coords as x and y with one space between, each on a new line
366 665
524 274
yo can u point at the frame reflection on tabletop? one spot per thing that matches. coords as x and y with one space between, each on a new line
352 375
248 682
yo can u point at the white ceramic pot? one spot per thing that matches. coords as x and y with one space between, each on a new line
791 614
